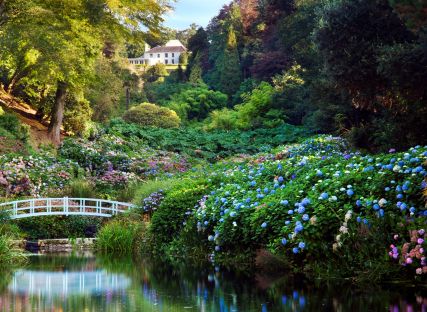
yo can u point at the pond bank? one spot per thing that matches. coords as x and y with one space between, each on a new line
56 245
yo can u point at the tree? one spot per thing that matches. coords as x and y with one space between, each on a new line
67 37
350 41
230 71
196 71
155 72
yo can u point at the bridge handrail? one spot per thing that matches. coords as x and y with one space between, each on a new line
69 199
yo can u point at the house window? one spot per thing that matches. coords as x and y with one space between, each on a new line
166 62
158 55
141 62
151 55
173 61
166 55
173 54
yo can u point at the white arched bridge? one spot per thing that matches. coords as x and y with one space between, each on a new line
37 207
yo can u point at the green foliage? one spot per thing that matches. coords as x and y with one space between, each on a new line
197 102
10 256
12 127
151 115
161 92
212 145
196 71
167 222
307 203
53 227
80 188
155 73
121 236
224 119
230 72
145 189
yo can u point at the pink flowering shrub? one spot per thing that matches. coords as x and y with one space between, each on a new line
410 254
33 175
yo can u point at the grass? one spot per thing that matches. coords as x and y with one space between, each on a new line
121 236
145 189
10 255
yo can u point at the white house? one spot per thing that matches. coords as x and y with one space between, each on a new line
168 54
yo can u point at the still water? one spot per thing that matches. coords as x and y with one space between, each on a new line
81 282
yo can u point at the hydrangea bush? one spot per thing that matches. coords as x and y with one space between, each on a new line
314 201
34 174
110 153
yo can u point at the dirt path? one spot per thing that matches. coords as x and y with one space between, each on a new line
27 115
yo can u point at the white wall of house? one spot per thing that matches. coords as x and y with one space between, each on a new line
169 58
152 58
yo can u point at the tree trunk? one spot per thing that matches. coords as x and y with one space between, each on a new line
127 98
54 131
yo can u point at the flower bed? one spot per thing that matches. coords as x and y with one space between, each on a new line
315 203
33 175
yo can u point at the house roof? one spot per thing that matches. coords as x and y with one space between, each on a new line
166 49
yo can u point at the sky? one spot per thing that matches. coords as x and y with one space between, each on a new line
193 11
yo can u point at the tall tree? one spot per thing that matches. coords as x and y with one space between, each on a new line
60 40
230 71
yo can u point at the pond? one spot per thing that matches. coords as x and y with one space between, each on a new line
84 282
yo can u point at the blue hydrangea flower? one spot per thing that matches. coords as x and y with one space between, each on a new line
305 202
284 241
350 192
280 179
290 212
301 245
299 228
295 250
284 202
264 225
324 196
301 209
305 217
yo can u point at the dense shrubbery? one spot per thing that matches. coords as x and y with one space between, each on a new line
316 205
114 161
209 145
151 115
168 219
197 102
10 256
58 227
10 126
33 175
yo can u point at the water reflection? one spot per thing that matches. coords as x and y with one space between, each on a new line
36 283
88 283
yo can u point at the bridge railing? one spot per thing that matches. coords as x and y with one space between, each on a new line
64 206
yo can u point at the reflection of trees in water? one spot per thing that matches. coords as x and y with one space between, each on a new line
157 286
5 277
